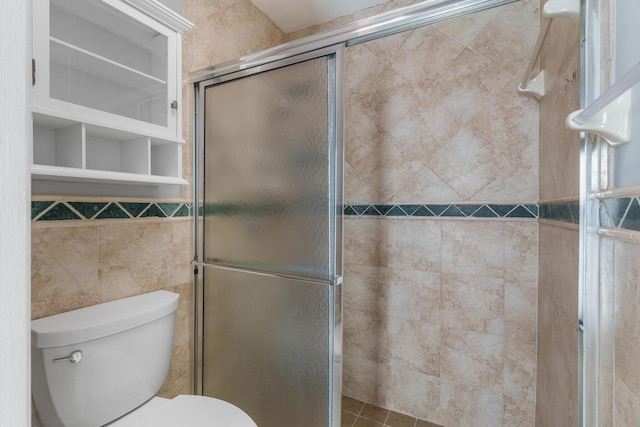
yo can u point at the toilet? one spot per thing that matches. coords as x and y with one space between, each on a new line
102 366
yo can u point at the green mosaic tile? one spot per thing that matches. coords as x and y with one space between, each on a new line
410 209
60 212
349 211
38 207
437 209
452 210
383 209
153 211
371 211
88 209
113 211
485 212
422 211
396 211
468 210
560 212
502 210
631 219
534 209
359 209
134 209
574 209
182 211
616 209
520 212
169 208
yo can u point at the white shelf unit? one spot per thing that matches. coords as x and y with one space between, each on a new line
107 92
68 150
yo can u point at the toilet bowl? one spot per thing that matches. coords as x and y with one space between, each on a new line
188 411
102 366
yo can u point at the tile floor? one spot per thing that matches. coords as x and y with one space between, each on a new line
360 414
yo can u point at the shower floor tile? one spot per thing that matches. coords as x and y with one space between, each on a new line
360 414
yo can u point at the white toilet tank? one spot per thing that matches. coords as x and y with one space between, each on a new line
93 365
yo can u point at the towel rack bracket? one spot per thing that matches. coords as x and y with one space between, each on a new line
535 86
562 9
611 123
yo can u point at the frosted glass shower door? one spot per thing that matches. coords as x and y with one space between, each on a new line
271 232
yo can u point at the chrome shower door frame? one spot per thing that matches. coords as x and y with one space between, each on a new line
335 58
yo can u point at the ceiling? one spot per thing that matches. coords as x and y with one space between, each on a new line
293 15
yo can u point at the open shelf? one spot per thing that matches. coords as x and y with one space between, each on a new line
67 150
60 173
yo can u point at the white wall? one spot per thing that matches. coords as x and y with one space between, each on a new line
15 149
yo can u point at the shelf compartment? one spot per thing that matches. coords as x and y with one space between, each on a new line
108 154
59 143
166 158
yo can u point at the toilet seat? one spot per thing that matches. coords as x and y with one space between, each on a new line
187 411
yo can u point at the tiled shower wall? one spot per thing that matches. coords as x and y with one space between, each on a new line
557 383
439 318
619 374
79 262
440 314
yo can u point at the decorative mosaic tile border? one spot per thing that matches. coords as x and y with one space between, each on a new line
446 210
564 211
614 213
64 211
623 212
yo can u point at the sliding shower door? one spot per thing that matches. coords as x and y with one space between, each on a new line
271 239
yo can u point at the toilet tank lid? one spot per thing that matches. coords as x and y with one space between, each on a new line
101 320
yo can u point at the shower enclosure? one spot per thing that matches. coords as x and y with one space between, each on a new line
271 360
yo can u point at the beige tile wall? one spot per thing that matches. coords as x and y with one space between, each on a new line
560 147
557 383
619 375
432 114
440 318
557 365
78 265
